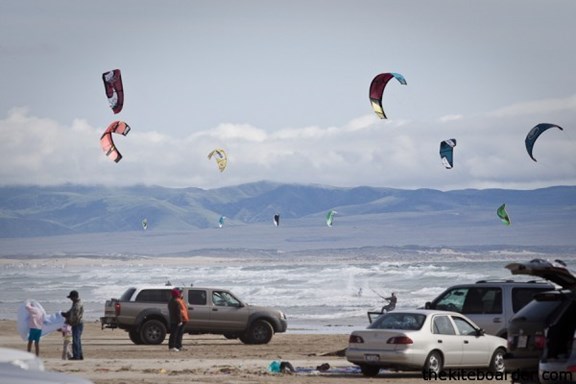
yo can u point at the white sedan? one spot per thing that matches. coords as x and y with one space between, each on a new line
427 340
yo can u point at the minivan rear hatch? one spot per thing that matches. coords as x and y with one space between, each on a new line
555 271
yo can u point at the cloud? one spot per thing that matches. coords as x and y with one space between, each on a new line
448 118
537 107
363 151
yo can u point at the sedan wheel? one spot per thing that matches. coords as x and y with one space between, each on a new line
369 370
433 363
497 361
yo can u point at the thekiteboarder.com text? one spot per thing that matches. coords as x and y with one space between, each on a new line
514 376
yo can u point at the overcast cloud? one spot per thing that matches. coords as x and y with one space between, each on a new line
283 88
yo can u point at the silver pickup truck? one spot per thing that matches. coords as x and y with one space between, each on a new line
143 313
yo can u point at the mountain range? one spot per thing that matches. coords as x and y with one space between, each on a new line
366 216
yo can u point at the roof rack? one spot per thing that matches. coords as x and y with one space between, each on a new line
510 281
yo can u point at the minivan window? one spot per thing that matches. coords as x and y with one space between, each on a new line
473 300
522 296
536 310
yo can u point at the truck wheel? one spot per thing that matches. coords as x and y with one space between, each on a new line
135 337
231 336
153 332
260 332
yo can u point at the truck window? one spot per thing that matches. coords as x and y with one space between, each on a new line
153 296
224 299
127 295
197 297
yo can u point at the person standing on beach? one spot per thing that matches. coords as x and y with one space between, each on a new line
67 339
185 318
74 318
176 324
35 321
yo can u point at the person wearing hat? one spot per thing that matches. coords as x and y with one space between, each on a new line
176 321
74 318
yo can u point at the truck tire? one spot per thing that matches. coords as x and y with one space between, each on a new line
152 332
260 332
135 337
231 336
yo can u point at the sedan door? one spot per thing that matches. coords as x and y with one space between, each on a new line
476 349
445 338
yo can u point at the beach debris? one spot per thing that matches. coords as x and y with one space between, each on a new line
274 366
280 367
286 367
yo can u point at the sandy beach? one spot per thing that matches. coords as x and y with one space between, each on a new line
110 357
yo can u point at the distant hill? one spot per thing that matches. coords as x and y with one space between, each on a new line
422 216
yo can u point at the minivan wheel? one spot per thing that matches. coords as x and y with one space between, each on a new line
434 363
260 332
370 370
153 332
497 361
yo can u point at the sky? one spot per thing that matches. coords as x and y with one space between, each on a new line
282 87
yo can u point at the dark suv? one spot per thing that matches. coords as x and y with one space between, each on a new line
489 303
541 335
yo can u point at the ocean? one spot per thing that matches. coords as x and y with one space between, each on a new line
321 291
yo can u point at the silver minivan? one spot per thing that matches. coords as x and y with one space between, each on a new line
489 303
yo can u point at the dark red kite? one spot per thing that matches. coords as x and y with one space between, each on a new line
114 89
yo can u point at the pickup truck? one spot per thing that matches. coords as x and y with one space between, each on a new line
143 313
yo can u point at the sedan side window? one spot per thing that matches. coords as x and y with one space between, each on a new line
464 327
443 326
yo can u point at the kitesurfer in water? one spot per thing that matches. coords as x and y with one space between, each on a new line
391 303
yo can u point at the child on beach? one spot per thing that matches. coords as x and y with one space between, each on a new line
67 337
35 321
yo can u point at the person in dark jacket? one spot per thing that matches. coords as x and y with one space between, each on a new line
391 303
176 323
74 318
